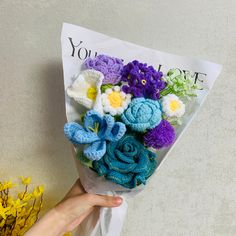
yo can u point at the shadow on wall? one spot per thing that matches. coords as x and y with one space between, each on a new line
59 163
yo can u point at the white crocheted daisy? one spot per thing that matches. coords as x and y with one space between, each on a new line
115 101
172 106
86 89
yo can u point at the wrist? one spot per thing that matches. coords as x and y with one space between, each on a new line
51 224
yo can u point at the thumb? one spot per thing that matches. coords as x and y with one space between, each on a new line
102 200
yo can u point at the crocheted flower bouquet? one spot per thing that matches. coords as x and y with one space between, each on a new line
125 107
132 111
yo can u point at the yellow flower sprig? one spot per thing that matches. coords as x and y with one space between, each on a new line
18 214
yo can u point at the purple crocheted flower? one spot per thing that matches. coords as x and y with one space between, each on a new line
142 80
162 135
111 67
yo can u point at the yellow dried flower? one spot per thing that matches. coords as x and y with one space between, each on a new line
38 191
2 223
15 207
17 215
25 180
4 211
6 185
25 196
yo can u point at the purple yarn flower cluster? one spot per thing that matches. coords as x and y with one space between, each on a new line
111 67
161 136
142 80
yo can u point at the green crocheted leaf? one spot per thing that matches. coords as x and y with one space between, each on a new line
105 86
83 159
180 84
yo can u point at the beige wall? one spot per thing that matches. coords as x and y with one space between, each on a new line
194 192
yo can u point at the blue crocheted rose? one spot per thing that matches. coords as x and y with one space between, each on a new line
127 162
142 114
96 131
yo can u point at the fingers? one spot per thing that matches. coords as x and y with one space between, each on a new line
103 201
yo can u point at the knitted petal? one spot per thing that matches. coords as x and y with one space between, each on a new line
128 157
120 167
117 131
135 109
135 181
129 117
108 123
77 135
139 179
79 90
142 114
95 151
119 178
139 127
142 165
91 118
151 168
155 103
111 67
156 119
99 167
111 147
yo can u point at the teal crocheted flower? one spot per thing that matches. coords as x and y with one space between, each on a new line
142 114
126 162
96 131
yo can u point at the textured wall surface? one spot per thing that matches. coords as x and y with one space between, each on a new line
194 191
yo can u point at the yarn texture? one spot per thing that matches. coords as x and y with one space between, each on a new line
142 80
96 132
111 67
85 90
115 101
127 162
142 114
126 101
172 106
161 136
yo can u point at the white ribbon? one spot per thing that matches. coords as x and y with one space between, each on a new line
109 221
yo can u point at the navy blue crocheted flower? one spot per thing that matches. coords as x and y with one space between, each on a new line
126 162
96 131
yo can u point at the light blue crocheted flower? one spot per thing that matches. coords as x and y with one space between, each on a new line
96 131
142 114
127 162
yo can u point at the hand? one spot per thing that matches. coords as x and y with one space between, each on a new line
71 211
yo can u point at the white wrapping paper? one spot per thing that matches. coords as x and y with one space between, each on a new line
78 44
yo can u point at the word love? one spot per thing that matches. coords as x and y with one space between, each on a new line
197 76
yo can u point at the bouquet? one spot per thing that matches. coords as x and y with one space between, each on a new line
125 110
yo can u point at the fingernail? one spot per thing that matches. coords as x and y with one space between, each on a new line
118 200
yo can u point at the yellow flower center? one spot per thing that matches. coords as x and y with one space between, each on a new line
115 99
143 81
95 129
174 105
92 93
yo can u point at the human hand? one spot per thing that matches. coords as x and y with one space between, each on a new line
71 211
